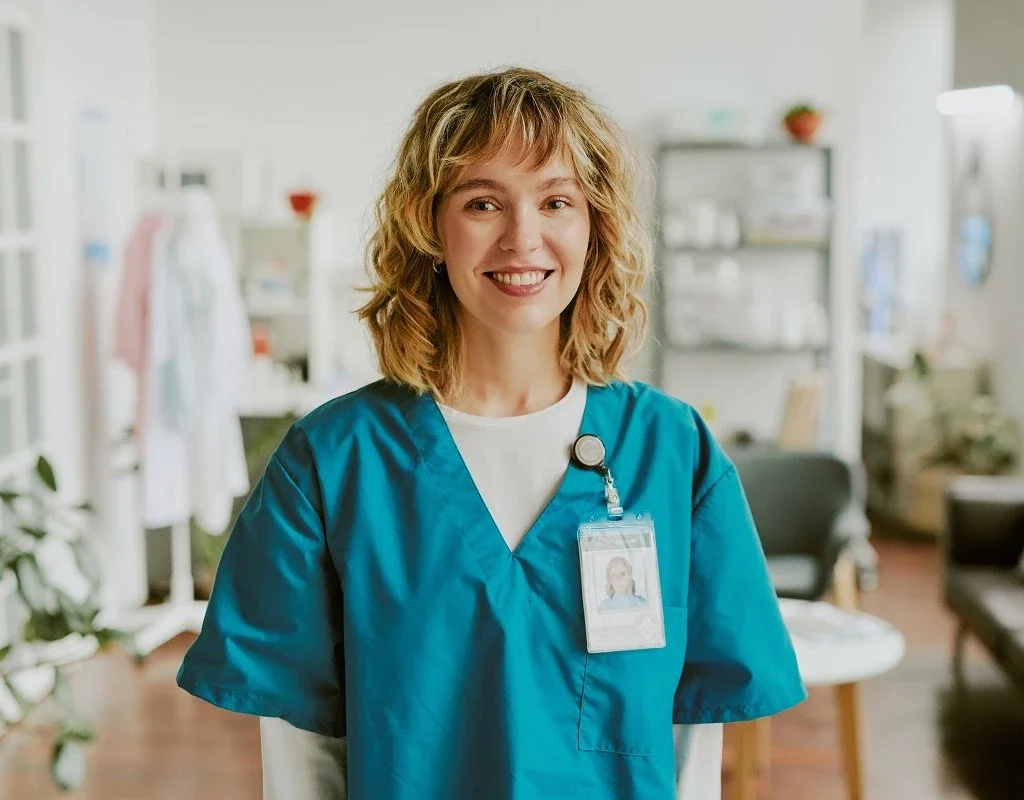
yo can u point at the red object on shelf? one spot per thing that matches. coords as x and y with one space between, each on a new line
803 127
260 341
303 204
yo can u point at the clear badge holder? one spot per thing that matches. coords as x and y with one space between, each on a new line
618 571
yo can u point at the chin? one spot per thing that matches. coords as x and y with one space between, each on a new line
521 324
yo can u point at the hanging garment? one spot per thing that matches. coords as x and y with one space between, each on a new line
215 330
367 592
131 327
189 365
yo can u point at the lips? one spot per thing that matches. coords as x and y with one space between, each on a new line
519 282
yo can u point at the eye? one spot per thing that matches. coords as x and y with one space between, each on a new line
481 206
557 203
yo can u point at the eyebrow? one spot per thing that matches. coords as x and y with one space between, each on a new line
487 183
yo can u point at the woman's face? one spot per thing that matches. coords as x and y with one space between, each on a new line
619 577
515 238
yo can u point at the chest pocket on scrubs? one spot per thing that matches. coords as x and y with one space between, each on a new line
627 698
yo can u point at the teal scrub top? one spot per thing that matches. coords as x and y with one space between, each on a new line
366 592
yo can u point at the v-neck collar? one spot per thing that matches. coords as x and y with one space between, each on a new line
579 493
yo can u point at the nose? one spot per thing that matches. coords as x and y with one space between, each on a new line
522 232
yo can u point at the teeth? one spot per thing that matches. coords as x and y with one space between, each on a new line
518 278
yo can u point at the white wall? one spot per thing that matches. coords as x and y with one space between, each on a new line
988 51
326 87
903 175
93 53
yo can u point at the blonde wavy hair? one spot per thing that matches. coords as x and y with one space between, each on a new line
413 312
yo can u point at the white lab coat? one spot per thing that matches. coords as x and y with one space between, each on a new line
193 457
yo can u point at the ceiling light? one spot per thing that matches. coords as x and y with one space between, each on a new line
978 100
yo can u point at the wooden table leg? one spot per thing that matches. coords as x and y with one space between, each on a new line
844 583
746 761
763 731
848 700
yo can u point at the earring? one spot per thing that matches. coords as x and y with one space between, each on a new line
438 263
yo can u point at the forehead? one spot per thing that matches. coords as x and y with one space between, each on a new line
516 163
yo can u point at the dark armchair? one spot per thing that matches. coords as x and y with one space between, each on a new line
983 539
808 508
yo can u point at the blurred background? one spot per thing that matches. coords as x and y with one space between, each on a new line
837 208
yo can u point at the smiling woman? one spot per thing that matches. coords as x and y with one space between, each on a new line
425 574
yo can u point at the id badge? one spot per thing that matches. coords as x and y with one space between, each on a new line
621 585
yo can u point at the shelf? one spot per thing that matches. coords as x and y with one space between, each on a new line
276 308
729 347
704 145
297 399
750 248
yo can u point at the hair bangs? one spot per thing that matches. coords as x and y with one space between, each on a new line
516 119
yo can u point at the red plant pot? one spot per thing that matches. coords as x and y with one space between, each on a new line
303 204
803 127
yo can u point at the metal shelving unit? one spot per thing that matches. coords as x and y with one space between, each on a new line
821 252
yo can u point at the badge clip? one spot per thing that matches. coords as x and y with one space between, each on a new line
588 451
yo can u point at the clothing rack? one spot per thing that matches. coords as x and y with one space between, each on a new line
153 626
181 613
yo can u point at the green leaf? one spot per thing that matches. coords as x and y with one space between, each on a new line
7 496
6 651
44 627
67 766
78 618
18 697
61 690
86 506
45 472
10 551
32 587
77 730
88 562
106 636
34 532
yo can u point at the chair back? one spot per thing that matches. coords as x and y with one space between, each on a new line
795 497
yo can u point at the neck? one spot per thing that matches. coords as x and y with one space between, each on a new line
510 375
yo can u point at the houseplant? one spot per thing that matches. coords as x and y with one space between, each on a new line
57 578
803 122
949 430
980 439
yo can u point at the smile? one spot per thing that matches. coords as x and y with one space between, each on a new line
531 278
519 283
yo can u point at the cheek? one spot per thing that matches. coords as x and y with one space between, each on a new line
574 243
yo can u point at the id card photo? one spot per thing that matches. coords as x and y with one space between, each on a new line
621 587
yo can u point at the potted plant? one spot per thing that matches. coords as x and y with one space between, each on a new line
803 122
976 438
57 577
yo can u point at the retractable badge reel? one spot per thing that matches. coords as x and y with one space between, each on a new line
588 452
618 567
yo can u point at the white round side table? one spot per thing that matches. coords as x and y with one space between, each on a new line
834 647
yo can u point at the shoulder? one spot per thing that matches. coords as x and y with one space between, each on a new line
328 433
665 418
648 404
375 404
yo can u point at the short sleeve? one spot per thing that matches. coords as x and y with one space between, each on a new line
272 643
740 663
